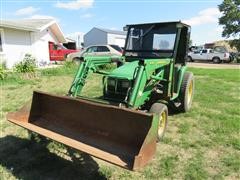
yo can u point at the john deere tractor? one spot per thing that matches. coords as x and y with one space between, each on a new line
124 125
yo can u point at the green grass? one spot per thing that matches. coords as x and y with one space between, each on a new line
201 144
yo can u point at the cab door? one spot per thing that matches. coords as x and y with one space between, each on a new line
196 55
204 55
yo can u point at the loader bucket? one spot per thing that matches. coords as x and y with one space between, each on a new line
118 135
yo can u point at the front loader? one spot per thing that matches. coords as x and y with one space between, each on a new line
125 123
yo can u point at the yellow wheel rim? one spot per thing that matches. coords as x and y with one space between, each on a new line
190 92
162 122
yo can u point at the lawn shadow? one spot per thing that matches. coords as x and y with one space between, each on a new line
27 160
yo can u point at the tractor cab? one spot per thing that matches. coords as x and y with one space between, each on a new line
160 49
157 40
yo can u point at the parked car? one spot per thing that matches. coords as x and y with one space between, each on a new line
96 50
216 55
57 52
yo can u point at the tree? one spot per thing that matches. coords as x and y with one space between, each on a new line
230 20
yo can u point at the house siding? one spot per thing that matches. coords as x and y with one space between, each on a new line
95 37
17 43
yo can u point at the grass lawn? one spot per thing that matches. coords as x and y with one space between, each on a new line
201 144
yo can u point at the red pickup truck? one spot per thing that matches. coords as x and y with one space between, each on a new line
57 52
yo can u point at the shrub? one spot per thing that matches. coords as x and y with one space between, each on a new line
69 64
27 65
2 72
238 59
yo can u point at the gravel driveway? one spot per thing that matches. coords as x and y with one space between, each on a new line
213 66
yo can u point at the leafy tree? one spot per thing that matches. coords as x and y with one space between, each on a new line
231 20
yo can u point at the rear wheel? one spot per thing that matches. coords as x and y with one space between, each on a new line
186 92
162 111
189 59
230 59
76 60
216 60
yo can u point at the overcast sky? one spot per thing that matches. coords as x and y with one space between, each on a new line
76 16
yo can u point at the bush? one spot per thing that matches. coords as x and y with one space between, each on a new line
2 72
238 59
27 65
69 64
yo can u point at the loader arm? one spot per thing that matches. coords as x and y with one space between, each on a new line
89 64
149 73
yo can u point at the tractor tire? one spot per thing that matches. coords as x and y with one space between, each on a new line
186 92
162 111
216 60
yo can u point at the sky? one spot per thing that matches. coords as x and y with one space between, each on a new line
80 16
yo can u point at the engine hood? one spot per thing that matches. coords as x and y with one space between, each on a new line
127 70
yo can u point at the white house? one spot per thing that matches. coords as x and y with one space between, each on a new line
18 37
104 36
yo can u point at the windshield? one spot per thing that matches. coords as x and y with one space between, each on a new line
62 46
150 41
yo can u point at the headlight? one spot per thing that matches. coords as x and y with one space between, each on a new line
111 82
125 84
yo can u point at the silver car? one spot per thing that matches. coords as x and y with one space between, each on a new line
96 50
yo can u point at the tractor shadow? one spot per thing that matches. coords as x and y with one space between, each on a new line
27 160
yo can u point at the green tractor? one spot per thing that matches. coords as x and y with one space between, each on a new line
124 125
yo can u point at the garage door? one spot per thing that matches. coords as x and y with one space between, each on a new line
120 42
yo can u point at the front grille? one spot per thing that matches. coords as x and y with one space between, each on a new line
117 91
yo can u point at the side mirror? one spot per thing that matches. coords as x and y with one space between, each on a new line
125 28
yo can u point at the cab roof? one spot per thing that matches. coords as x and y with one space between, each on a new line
161 24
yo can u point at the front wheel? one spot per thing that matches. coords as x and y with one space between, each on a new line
162 111
186 92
